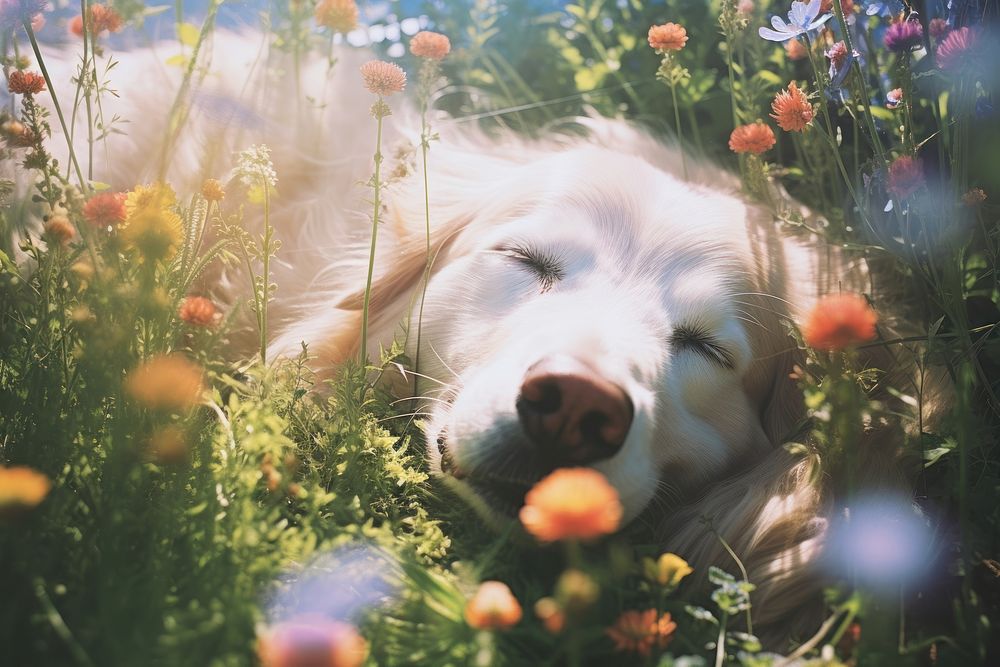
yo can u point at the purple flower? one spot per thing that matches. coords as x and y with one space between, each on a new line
13 13
802 19
904 36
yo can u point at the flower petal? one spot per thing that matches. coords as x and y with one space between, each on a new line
774 35
778 23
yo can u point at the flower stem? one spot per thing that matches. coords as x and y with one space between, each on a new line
265 274
377 204
55 102
424 141
677 123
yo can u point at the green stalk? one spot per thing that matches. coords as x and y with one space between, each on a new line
424 140
677 122
824 110
266 274
55 102
856 66
377 204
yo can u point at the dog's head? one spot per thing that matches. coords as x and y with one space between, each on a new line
592 310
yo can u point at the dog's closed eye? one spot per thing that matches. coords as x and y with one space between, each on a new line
546 267
703 343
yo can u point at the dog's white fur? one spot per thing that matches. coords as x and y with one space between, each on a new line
642 250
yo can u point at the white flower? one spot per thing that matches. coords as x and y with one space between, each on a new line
254 167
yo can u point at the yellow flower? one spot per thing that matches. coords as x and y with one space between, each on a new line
576 591
667 570
151 196
21 488
156 233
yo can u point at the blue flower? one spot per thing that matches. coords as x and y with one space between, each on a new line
13 13
802 19
883 8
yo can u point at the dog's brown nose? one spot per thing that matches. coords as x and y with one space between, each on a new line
573 415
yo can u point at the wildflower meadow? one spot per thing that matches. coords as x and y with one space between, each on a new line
165 500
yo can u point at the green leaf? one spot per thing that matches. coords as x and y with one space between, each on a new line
187 34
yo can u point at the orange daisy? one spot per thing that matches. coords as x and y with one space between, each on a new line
571 503
791 109
839 321
754 138
667 37
640 631
493 607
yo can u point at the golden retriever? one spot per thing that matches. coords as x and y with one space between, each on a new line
586 305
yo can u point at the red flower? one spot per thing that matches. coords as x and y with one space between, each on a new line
198 311
640 631
906 175
106 209
25 83
839 321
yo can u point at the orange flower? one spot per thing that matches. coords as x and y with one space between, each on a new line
212 190
640 631
76 25
168 446
551 615
906 175
791 109
667 37
59 229
795 50
25 83
311 641
198 311
21 488
827 6
571 503
104 18
974 197
427 44
106 209
839 321
754 138
493 607
166 381
383 78
337 15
